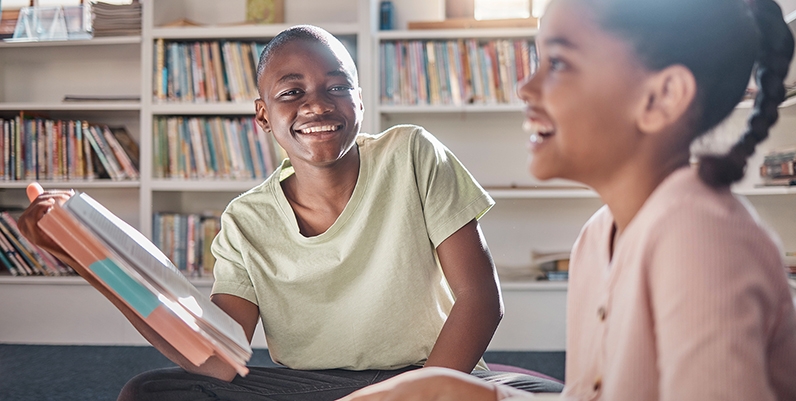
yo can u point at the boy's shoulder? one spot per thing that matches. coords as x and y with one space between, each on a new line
397 135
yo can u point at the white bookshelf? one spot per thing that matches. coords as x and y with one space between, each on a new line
529 215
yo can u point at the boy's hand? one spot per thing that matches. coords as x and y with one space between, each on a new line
40 203
428 384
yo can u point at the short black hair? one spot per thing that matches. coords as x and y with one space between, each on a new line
308 33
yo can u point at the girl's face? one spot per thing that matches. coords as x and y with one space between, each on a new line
582 99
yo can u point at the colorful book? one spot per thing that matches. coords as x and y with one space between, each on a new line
124 265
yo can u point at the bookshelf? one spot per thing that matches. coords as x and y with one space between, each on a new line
529 215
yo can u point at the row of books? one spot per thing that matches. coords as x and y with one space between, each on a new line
453 72
45 149
185 239
210 71
19 257
213 147
779 167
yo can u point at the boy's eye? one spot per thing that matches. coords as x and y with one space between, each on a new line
291 92
342 90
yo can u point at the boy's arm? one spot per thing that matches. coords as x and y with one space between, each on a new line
470 272
244 312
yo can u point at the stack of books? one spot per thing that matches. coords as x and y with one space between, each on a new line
116 19
126 266
779 168
19 257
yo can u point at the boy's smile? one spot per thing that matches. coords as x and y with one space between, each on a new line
311 101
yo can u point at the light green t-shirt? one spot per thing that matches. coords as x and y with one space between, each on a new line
368 293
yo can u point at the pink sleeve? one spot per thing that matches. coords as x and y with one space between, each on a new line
711 295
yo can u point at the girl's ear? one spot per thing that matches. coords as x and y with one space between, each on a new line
668 98
261 115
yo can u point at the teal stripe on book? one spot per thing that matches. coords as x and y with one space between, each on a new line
130 290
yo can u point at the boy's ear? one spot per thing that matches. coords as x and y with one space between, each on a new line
667 98
261 115
361 102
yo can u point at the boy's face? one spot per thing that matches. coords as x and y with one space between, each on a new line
311 102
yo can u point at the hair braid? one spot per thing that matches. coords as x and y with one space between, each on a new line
776 51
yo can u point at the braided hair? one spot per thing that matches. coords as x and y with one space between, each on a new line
776 51
720 42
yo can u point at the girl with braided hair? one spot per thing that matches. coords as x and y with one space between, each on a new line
676 291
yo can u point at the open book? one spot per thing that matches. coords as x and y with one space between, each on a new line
134 270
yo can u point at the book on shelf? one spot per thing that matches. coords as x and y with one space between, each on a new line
452 72
185 239
779 167
38 148
19 257
127 267
212 148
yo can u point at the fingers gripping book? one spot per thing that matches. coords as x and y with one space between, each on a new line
135 271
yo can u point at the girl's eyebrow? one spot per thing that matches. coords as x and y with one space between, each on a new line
560 41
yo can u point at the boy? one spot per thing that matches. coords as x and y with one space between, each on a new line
351 253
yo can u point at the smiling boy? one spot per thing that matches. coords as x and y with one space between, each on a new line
351 253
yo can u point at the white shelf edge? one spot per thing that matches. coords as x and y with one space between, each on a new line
72 106
103 41
747 104
78 184
209 185
77 280
470 108
243 31
542 193
216 108
764 191
473 33
533 285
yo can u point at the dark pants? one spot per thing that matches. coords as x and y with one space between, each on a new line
272 384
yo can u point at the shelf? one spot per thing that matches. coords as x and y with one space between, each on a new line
105 41
242 31
77 280
72 106
431 109
747 104
72 184
456 34
541 193
534 285
219 185
762 191
226 108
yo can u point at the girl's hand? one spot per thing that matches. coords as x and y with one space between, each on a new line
428 384
40 203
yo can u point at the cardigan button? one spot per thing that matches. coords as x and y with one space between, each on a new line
601 313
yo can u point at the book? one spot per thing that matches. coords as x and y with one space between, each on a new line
113 255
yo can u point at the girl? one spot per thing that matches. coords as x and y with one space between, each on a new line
676 292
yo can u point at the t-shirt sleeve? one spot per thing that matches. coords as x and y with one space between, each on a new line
231 275
451 196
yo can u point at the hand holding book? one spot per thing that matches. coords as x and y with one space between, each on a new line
139 280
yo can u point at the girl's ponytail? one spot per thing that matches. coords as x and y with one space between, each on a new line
776 51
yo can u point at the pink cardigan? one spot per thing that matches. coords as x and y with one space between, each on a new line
694 304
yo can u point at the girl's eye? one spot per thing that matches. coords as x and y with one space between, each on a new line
557 65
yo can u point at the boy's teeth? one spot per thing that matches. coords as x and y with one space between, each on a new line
319 129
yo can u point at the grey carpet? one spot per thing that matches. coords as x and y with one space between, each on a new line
88 373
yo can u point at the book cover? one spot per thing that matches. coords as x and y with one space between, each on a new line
114 255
